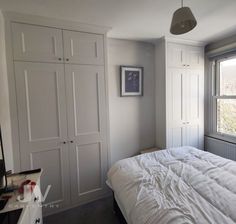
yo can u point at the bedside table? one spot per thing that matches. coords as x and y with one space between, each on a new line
149 150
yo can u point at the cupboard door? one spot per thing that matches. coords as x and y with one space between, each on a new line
37 43
195 108
183 56
177 96
176 101
195 57
83 48
87 131
43 127
175 55
185 100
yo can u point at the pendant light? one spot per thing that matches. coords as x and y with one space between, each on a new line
183 20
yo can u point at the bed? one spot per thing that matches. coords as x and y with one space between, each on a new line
178 185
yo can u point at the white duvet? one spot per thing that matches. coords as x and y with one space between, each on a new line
179 185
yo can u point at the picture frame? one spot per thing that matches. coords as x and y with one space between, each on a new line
131 80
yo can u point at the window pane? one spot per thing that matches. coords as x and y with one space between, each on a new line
226 116
228 77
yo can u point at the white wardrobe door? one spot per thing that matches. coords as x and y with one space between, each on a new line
37 43
43 127
176 56
195 57
87 131
195 107
83 48
176 106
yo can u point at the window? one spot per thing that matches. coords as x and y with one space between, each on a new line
225 97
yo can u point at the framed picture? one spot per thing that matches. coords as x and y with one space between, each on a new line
131 79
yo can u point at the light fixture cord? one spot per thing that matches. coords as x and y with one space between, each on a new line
182 3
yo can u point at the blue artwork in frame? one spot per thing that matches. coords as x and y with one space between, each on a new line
131 81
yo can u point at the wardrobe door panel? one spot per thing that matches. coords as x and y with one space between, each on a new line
178 106
176 55
86 101
194 101
177 96
87 131
195 107
89 163
43 127
37 43
83 48
193 135
195 57
50 161
176 138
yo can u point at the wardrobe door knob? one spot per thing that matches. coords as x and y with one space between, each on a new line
59 59
67 59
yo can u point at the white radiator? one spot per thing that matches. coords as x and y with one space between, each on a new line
220 147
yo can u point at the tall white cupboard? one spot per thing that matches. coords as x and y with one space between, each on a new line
179 94
59 99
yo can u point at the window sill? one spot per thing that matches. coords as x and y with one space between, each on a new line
226 138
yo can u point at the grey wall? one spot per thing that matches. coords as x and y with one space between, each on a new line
132 119
4 102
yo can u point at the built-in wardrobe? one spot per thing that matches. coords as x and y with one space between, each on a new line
57 85
179 94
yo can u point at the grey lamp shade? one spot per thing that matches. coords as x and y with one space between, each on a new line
183 21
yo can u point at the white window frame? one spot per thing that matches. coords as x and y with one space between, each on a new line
215 95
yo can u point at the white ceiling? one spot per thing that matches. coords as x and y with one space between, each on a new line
137 19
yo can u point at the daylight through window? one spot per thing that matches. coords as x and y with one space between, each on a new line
226 96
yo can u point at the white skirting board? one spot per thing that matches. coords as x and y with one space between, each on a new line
219 147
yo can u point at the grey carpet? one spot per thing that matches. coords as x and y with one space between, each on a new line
98 212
